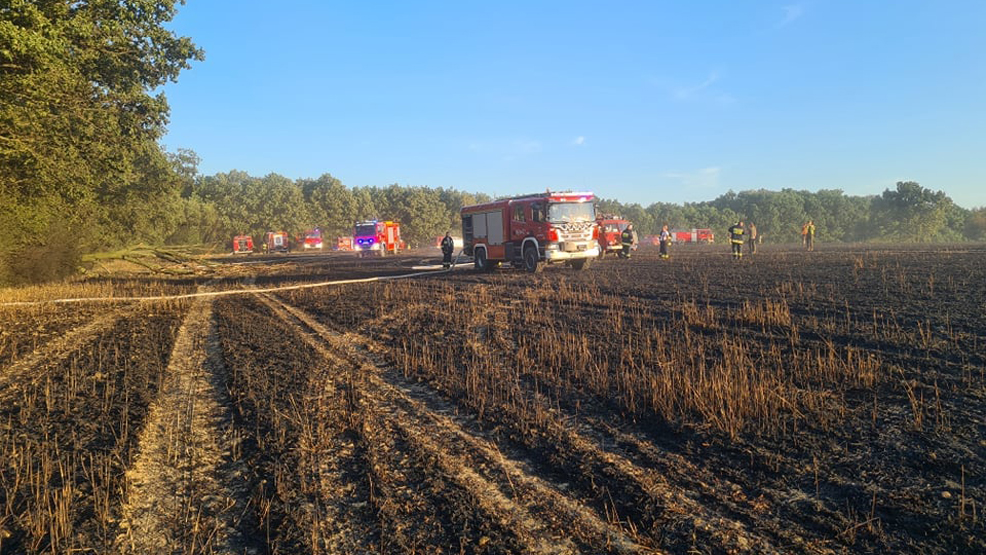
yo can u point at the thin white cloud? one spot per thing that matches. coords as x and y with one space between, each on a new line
578 141
684 93
705 178
792 12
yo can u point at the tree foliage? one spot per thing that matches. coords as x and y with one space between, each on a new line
79 127
911 213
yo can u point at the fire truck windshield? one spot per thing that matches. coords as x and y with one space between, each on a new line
366 229
567 212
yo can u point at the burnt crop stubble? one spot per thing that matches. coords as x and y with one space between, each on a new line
790 402
68 432
831 399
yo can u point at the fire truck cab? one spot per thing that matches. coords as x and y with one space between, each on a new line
375 237
610 234
531 231
242 244
312 239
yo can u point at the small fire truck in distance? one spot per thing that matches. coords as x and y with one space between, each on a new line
276 241
701 235
312 239
344 244
610 234
242 244
374 237
531 231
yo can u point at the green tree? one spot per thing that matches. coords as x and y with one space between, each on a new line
334 203
975 224
78 126
911 213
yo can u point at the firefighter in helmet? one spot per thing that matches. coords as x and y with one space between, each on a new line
626 239
448 245
665 240
736 232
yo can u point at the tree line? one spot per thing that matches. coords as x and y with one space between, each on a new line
222 205
82 168
219 206
906 213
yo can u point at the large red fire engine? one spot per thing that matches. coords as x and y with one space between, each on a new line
375 237
242 244
531 231
610 234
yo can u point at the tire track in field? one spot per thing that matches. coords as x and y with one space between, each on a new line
180 495
18 374
541 516
686 500
392 431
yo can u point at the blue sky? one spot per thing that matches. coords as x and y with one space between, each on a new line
639 101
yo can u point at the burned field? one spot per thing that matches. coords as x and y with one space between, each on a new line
824 403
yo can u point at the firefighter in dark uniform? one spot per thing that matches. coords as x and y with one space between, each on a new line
448 245
626 239
736 232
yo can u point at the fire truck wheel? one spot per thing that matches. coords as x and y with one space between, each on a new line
480 262
532 262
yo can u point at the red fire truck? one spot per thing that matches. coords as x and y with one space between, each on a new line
698 235
610 234
344 244
242 244
276 241
531 231
374 237
312 239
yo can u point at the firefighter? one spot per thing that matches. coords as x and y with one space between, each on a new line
753 238
736 232
627 239
448 245
810 235
665 242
